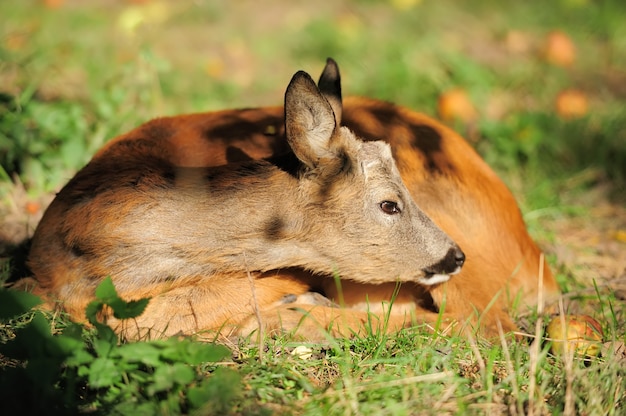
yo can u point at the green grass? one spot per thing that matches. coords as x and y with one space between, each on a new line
72 78
412 372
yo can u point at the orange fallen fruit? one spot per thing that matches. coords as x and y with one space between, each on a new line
455 104
580 334
571 104
32 208
559 49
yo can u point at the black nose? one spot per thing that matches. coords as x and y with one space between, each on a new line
459 257
451 263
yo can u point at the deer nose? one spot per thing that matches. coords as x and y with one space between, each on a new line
459 257
450 264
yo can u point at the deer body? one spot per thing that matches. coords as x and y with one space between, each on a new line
185 209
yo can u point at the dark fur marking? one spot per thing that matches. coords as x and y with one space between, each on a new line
287 162
77 251
425 140
133 166
235 129
428 142
236 176
157 129
290 298
76 247
235 154
170 176
274 229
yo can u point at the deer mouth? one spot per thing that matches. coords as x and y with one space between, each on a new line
440 272
431 279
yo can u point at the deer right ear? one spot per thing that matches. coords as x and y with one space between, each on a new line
330 87
309 121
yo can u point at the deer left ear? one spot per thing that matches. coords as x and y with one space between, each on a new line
309 121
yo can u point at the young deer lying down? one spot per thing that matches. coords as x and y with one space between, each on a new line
164 225
186 209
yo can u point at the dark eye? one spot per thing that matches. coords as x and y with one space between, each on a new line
390 208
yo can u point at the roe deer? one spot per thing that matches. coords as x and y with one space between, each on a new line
126 184
163 223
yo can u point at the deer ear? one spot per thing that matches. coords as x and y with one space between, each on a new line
330 87
309 121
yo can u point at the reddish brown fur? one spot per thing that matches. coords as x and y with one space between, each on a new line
445 176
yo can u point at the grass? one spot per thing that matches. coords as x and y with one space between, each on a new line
63 93
411 372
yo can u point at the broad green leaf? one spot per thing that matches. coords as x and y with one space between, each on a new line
127 310
72 150
92 311
34 172
106 290
103 373
196 352
144 352
43 370
31 341
80 357
131 407
65 346
107 334
14 303
106 293
171 404
104 331
103 347
39 327
74 330
216 392
167 376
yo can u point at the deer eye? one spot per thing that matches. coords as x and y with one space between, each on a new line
390 208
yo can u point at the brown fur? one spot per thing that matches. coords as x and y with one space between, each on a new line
443 174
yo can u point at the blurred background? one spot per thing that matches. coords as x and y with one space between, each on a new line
537 87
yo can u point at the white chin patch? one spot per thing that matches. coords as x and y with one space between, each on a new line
437 278
434 279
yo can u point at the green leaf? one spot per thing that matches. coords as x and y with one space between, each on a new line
34 172
39 327
31 341
105 333
103 373
137 409
216 393
195 352
144 352
167 376
103 347
92 310
65 345
72 150
73 330
128 310
14 303
43 370
106 291
80 357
